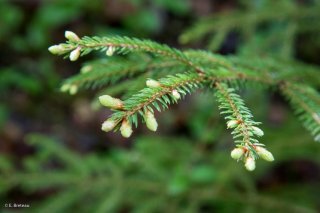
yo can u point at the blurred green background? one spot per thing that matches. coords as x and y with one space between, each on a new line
55 158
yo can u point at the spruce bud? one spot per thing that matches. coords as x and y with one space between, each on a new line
71 36
108 125
176 94
65 88
250 164
152 83
56 49
110 51
108 101
232 124
257 131
73 89
237 153
74 55
86 69
151 122
264 154
126 129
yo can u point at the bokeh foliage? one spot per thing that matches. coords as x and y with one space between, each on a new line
183 177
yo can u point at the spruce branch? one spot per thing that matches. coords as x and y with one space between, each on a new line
120 45
181 73
246 22
99 73
103 72
227 69
159 96
306 103
240 119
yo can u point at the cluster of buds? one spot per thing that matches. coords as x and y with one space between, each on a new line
125 128
242 153
155 84
71 36
63 48
71 88
239 153
255 130
110 124
117 104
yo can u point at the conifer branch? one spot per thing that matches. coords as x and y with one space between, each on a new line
166 91
306 103
121 45
240 118
218 26
100 73
188 71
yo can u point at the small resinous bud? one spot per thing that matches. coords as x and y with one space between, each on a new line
126 129
264 154
257 131
75 54
232 124
175 94
152 83
237 153
108 101
57 49
151 122
108 125
250 164
71 36
110 51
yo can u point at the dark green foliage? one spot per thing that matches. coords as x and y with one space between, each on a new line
264 27
306 103
100 73
180 178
